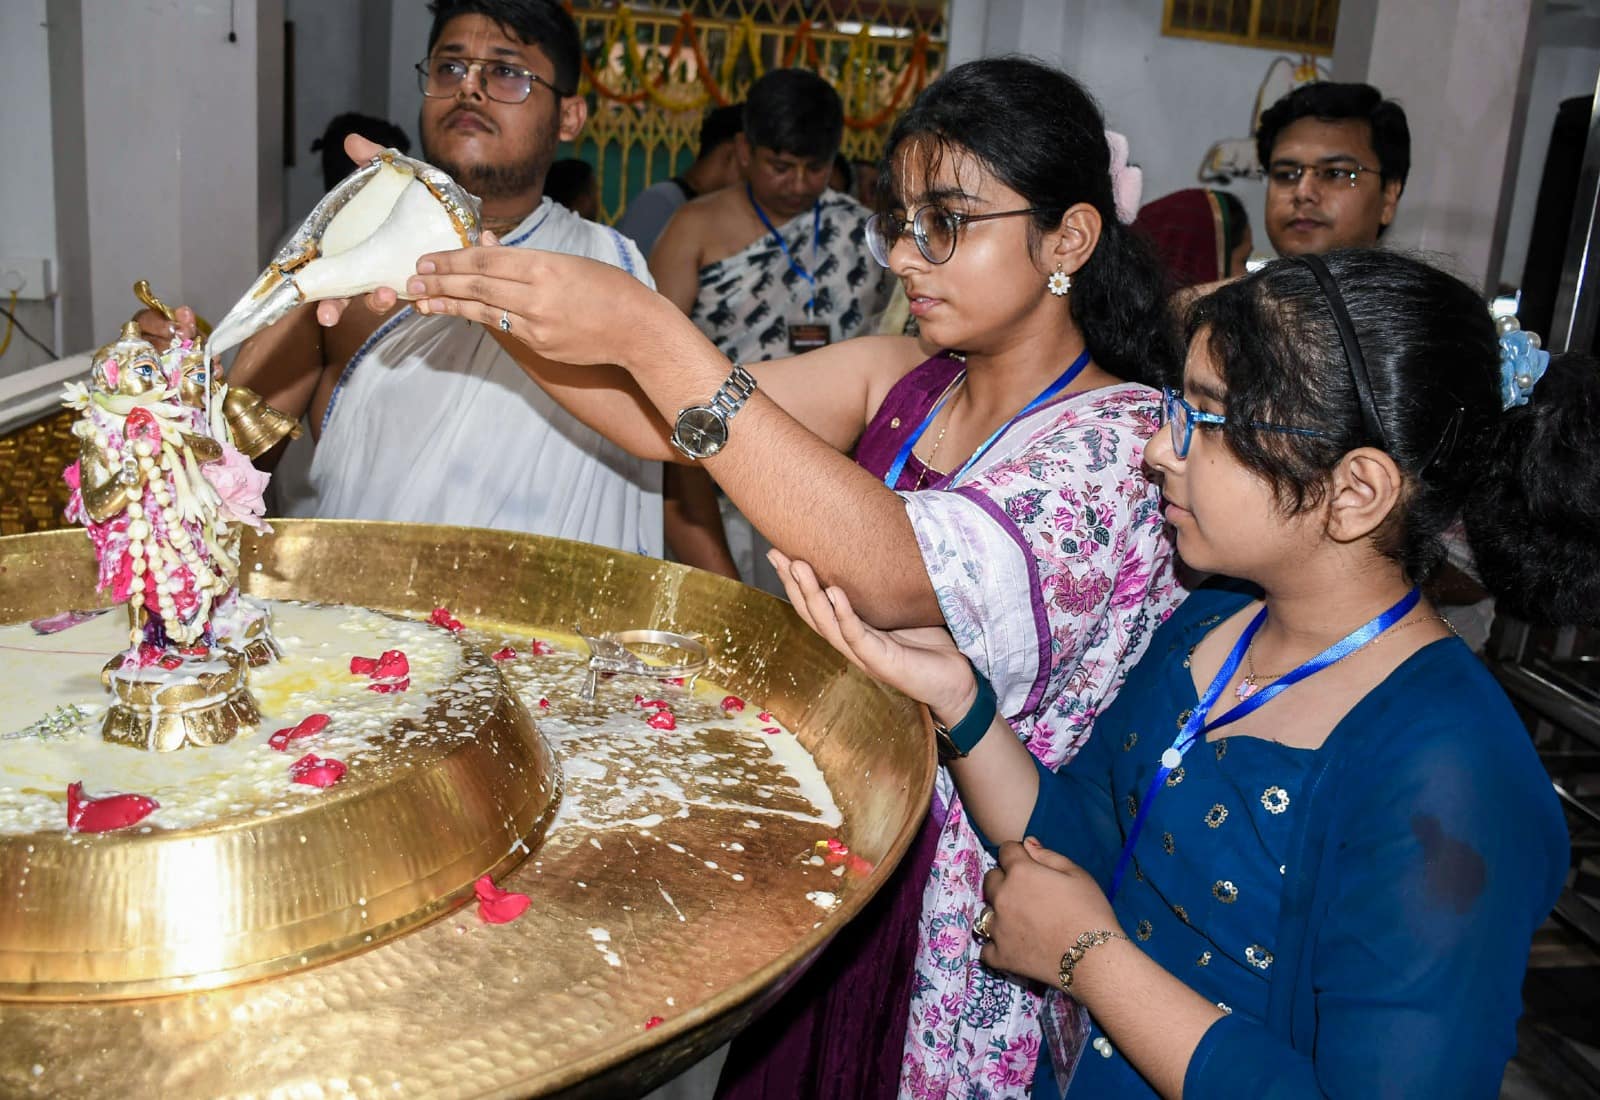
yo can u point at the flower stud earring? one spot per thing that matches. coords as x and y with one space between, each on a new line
1059 282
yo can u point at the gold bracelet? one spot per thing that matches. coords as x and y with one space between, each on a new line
1077 951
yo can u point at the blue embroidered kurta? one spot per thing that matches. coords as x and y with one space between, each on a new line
1364 910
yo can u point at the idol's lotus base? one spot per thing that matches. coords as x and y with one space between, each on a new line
648 943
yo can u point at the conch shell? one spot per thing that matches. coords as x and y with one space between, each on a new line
366 233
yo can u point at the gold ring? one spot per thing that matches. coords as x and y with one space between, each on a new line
983 927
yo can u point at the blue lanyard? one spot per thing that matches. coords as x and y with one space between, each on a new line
1196 726
794 265
904 453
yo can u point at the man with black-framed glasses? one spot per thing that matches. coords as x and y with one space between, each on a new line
426 419
1336 157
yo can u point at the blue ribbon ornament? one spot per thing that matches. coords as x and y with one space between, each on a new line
1522 363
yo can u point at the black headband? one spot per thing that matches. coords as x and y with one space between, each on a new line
1370 421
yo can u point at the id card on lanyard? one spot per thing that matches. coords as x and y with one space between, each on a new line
807 333
1065 1021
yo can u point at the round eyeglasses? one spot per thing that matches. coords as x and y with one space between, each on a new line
932 227
501 81
1182 418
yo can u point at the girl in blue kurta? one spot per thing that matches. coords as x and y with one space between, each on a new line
1305 850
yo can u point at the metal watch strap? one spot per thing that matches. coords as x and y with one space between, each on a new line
734 392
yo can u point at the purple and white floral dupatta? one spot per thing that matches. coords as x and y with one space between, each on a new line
1053 569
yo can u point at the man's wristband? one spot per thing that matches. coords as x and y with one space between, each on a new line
956 741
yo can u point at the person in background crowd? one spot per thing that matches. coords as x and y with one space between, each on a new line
716 165
1336 158
842 178
336 164
866 180
772 268
573 183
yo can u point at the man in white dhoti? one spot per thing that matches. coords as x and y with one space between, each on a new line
427 420
777 265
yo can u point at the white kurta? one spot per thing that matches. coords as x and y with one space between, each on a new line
432 422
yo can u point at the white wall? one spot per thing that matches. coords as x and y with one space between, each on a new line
326 84
27 181
408 42
1173 97
1460 69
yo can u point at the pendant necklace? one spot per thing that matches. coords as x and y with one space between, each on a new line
1252 681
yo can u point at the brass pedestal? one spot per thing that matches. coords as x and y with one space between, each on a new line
159 714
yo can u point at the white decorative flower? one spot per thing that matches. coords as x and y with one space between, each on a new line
1060 282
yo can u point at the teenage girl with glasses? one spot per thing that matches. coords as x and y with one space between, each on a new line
995 488
1306 849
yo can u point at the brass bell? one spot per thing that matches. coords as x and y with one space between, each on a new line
257 427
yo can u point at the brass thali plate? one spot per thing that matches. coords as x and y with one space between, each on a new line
648 942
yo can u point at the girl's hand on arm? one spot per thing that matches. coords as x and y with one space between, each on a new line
923 662
997 779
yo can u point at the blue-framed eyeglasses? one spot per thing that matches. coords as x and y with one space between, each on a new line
1182 418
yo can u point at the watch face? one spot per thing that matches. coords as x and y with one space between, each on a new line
700 432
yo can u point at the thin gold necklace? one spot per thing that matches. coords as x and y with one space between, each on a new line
927 463
1254 682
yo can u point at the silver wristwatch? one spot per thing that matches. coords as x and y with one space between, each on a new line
702 430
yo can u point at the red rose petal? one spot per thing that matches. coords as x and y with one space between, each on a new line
441 617
392 665
855 865
505 654
171 662
658 704
662 720
675 681
766 716
309 726
654 1021
313 771
497 906
542 649
770 730
363 666
102 815
545 703
732 703
389 687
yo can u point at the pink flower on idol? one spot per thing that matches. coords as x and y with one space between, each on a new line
240 485
1014 1068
